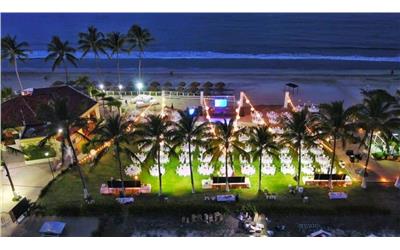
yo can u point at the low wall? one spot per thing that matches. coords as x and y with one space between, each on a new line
40 161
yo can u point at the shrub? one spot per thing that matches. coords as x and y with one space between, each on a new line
34 152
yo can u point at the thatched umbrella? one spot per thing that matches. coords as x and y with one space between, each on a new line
293 87
154 86
220 86
181 86
167 86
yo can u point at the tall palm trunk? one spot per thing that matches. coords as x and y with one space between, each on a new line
97 68
86 194
120 168
332 161
118 70
299 167
66 72
16 196
140 66
159 174
226 171
17 74
190 165
368 154
259 172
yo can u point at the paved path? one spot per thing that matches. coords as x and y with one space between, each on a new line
75 226
28 182
382 171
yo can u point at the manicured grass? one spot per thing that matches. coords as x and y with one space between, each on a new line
66 190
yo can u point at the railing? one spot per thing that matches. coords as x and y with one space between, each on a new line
151 93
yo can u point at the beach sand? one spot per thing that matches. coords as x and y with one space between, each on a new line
261 86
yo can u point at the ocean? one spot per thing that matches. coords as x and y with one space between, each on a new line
226 40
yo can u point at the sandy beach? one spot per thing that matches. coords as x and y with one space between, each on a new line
263 86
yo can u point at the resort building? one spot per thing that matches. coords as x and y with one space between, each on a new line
19 115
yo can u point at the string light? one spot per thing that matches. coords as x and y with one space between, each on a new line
208 117
247 100
294 109
107 144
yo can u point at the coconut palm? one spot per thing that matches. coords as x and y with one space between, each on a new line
224 142
335 121
113 130
61 53
60 122
92 41
378 111
263 141
13 51
188 130
113 102
84 82
116 43
139 38
154 134
298 132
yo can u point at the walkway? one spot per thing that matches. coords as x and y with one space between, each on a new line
28 182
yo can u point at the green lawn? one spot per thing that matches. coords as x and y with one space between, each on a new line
67 189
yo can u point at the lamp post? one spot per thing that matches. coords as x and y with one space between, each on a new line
48 160
101 86
139 86
120 87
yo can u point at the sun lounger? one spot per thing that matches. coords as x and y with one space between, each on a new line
226 198
337 195
52 228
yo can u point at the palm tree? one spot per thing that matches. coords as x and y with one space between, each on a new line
92 41
84 82
298 132
14 51
188 130
60 122
263 141
378 111
116 42
139 39
113 102
154 133
335 121
225 142
113 130
61 53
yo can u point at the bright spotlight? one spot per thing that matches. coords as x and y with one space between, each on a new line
60 130
101 86
120 86
139 85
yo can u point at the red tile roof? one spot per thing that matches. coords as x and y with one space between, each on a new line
23 108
